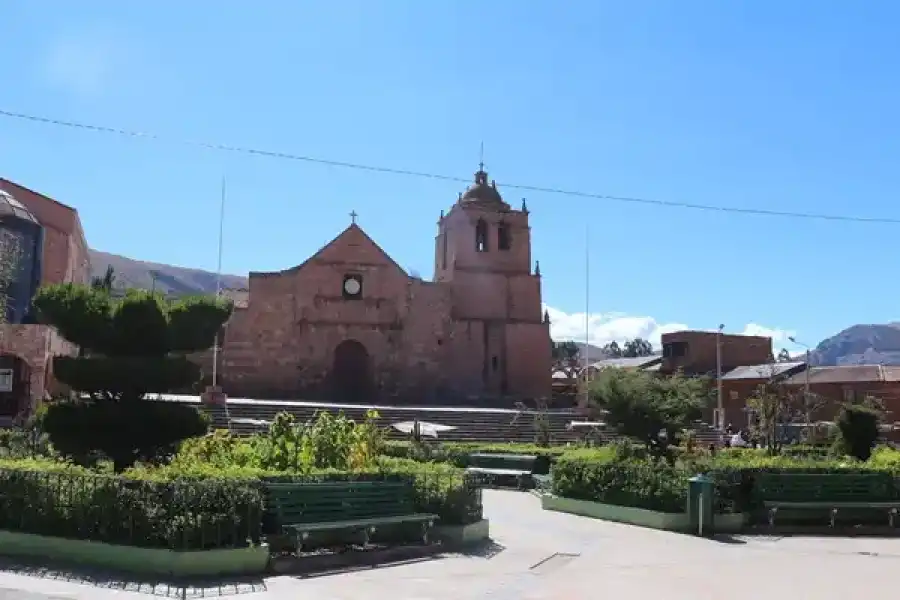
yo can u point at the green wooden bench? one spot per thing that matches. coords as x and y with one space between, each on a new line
832 493
502 468
351 508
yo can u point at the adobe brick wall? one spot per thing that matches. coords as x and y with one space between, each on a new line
737 350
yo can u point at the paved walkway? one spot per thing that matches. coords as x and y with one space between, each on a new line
542 555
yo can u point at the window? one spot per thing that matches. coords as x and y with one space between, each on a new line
503 238
734 395
495 362
849 394
352 287
675 349
6 380
481 236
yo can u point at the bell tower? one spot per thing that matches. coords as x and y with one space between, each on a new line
483 252
481 233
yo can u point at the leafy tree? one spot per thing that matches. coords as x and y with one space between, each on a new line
784 356
648 408
637 347
130 346
612 350
10 254
776 407
858 427
564 352
106 282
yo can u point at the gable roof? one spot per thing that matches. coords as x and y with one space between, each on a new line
351 236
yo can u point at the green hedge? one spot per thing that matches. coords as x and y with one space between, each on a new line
603 475
184 515
639 484
457 453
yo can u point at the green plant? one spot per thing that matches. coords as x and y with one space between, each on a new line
648 408
129 347
49 498
641 484
858 427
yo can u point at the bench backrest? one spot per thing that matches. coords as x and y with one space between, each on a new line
298 503
518 462
825 487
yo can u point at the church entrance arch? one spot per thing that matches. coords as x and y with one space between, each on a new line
351 372
15 385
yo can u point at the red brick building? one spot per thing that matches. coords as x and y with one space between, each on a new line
694 352
25 350
349 324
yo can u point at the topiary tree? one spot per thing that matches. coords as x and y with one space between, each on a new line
858 427
130 347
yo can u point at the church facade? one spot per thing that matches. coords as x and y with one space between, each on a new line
350 325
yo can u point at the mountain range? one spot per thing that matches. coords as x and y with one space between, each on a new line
858 344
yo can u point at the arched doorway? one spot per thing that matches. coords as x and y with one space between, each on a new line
351 372
15 386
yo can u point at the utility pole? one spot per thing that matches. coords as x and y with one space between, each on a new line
720 406
806 395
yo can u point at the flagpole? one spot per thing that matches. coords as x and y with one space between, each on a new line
587 306
215 369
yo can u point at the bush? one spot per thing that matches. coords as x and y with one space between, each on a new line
121 431
51 498
596 476
457 453
858 426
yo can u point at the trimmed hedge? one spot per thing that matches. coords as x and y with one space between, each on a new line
603 476
61 501
457 453
639 484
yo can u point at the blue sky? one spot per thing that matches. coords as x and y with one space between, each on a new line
762 104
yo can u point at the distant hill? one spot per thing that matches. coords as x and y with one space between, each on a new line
174 281
860 344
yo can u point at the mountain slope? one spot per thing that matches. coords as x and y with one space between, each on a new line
860 344
176 281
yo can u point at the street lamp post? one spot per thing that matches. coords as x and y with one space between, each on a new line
719 403
806 402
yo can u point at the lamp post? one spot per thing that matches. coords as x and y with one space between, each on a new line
806 378
719 403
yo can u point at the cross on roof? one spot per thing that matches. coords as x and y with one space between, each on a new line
353 216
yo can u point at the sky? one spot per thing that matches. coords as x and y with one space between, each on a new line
756 104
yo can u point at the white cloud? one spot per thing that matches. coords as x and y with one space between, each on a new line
603 328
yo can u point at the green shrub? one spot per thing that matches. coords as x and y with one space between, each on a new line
457 453
858 426
121 431
641 484
57 499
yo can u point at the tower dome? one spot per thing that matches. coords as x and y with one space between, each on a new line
12 208
483 193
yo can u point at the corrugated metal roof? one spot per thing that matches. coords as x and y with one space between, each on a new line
841 374
766 371
627 363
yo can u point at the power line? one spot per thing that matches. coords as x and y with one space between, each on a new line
438 176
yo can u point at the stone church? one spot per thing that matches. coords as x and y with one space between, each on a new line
350 325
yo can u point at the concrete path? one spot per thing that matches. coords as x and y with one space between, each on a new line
541 555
